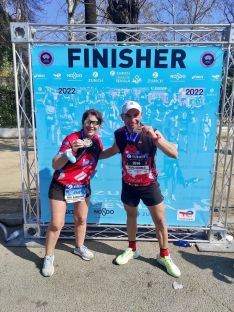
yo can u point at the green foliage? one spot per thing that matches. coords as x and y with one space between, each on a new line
8 117
6 62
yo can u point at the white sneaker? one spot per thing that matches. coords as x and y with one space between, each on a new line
170 266
127 255
48 267
84 253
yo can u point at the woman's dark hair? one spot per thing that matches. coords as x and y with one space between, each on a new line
94 112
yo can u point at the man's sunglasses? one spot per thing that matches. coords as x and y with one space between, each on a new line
89 122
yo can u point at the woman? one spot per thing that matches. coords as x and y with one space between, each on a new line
74 165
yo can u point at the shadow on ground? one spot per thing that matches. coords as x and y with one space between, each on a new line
221 266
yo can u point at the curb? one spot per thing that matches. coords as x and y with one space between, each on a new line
12 133
12 219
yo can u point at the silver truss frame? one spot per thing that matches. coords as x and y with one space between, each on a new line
24 35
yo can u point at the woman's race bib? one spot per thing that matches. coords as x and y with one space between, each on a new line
75 193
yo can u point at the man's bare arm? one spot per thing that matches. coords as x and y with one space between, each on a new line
166 147
109 152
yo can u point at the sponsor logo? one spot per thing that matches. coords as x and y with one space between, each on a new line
211 92
197 77
123 73
66 143
46 58
57 75
186 215
104 211
39 76
178 76
74 75
207 59
137 79
123 77
155 79
95 80
160 88
215 77
143 213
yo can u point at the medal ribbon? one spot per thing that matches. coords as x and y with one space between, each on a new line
131 137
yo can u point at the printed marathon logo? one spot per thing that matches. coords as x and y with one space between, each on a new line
186 215
46 58
207 59
104 211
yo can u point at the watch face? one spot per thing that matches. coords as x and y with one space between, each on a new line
87 142
137 129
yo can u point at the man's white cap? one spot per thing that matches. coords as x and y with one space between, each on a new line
129 105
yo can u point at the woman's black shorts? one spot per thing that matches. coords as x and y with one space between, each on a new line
150 195
57 191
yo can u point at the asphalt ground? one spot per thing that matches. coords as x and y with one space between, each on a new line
100 285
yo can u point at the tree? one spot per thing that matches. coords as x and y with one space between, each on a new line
228 10
15 11
124 12
24 10
71 8
184 12
90 18
198 11
5 43
89 13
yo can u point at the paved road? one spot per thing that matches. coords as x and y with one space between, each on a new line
99 285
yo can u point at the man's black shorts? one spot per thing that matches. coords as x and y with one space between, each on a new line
57 191
150 195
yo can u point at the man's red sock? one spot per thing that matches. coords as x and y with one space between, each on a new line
164 252
132 244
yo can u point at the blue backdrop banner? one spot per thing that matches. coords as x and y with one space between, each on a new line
179 90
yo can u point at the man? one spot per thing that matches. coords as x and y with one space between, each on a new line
138 145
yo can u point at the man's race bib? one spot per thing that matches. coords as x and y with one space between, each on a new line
75 193
137 164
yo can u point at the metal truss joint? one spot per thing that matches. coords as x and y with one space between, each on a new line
217 234
32 230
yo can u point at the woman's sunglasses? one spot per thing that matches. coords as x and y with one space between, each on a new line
89 122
